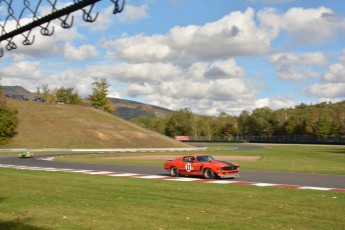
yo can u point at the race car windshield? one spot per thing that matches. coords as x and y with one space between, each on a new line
204 158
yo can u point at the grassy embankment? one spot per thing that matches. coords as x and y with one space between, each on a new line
286 158
43 125
55 200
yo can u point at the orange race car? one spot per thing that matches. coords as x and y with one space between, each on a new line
201 165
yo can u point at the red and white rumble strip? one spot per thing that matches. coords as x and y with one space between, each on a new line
168 178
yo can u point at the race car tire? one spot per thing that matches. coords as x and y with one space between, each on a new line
174 172
209 174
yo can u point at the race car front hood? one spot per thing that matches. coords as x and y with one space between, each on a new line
224 164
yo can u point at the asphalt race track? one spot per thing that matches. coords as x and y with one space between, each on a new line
298 179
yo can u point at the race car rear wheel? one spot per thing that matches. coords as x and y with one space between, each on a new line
209 174
174 172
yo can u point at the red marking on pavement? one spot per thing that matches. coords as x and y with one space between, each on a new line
286 186
338 190
168 178
243 183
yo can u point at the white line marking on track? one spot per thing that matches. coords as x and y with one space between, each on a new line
66 170
46 158
83 171
184 179
99 173
167 178
53 170
315 188
221 182
264 184
152 177
124 174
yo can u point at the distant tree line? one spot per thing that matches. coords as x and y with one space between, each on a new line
59 95
321 120
98 99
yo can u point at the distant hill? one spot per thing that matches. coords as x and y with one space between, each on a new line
125 109
43 125
17 92
130 109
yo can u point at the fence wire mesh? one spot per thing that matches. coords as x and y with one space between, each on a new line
21 17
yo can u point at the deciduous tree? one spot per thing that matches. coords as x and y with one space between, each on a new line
180 123
99 98
68 96
8 119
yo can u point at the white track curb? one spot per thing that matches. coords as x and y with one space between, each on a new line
168 178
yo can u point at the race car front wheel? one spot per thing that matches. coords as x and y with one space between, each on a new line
174 172
209 174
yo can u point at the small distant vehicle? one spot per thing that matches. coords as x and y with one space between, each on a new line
26 154
201 165
38 100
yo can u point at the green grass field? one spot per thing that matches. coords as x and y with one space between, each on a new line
41 200
286 158
53 200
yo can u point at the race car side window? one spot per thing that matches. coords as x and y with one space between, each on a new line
188 159
204 158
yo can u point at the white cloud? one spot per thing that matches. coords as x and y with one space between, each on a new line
81 53
133 13
336 72
104 20
31 75
22 70
298 67
316 58
224 69
189 66
43 46
276 102
138 73
342 57
327 90
333 85
270 22
141 48
196 70
235 34
194 88
310 25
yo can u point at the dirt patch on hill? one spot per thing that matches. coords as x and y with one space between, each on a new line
170 157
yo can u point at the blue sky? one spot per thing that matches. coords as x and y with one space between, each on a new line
210 56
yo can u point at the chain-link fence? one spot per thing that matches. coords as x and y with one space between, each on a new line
288 139
21 17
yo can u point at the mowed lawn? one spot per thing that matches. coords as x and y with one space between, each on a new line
284 158
56 200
